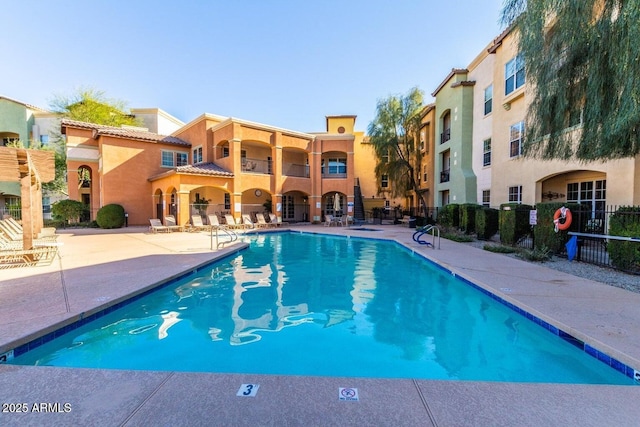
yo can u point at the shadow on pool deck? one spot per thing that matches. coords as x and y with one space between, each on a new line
99 268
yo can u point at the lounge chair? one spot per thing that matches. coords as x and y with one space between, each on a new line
346 220
231 221
276 221
157 227
40 255
214 221
170 222
15 233
198 225
246 221
262 223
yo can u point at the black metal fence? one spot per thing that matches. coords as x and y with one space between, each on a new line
592 228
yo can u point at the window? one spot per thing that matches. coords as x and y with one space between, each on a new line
591 193
46 205
384 181
424 173
197 155
174 158
488 100
515 139
44 139
446 128
515 194
225 151
227 201
486 152
167 159
336 166
486 198
288 207
513 74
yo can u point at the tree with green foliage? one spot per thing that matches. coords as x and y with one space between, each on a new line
393 133
86 105
581 56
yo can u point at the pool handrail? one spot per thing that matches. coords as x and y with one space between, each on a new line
421 231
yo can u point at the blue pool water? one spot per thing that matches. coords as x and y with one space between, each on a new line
297 304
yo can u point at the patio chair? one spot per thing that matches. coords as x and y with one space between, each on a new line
246 221
197 224
328 220
8 231
231 221
41 255
157 227
170 222
275 220
214 221
262 223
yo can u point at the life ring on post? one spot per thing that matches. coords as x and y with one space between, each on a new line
565 214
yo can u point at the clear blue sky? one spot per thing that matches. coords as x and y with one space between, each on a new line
286 63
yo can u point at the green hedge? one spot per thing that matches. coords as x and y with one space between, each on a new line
67 211
487 222
449 215
514 222
625 222
544 232
110 216
468 217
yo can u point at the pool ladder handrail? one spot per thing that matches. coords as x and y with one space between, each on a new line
435 232
232 236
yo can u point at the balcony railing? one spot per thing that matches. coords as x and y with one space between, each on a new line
444 175
257 165
445 136
292 169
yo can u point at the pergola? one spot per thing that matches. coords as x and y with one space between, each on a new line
30 168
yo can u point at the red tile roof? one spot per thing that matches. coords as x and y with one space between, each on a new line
124 132
204 169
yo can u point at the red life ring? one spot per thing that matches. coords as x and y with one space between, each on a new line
562 213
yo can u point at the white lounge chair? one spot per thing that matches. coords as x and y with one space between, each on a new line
157 227
214 221
328 220
197 224
246 221
170 222
231 221
262 223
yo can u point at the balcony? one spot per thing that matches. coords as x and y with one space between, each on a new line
444 175
292 169
252 165
445 136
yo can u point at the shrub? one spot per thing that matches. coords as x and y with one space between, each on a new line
468 217
487 223
544 232
514 222
67 211
625 222
538 254
499 249
448 216
457 237
110 216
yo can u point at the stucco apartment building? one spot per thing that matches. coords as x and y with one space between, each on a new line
31 126
480 114
217 164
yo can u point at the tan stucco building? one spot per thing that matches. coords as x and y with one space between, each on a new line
216 164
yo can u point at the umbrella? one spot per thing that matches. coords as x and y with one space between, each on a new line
336 204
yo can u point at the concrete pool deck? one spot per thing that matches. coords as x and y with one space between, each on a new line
102 267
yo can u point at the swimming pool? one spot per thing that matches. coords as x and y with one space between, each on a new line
296 304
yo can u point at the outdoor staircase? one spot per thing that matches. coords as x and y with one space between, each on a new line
358 204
